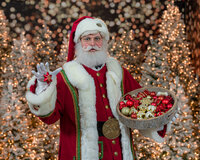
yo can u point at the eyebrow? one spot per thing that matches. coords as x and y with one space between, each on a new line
93 36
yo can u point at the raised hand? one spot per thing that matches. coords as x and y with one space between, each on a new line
43 73
44 76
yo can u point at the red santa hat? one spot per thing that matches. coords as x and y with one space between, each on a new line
83 25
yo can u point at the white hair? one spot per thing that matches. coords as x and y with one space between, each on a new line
91 59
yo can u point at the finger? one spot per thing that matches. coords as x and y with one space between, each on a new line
34 73
56 71
39 69
47 66
43 68
37 75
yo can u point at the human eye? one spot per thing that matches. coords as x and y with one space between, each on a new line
97 38
86 38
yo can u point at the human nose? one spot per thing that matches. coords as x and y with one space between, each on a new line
92 42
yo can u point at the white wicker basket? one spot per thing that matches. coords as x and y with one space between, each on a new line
155 122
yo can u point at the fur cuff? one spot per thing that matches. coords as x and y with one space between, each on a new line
45 100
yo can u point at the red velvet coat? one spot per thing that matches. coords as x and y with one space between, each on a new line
68 108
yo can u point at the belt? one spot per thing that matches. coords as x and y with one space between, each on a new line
99 127
109 129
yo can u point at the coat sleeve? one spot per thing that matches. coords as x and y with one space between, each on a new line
46 105
129 83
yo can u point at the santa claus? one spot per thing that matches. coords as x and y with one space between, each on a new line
83 95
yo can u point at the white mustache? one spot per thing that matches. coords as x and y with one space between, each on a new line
92 47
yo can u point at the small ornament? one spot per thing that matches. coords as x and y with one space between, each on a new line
165 101
132 110
149 97
122 106
153 104
134 115
142 107
159 113
127 97
151 108
121 103
125 111
146 101
149 115
162 93
141 115
161 97
47 78
169 106
129 103
152 93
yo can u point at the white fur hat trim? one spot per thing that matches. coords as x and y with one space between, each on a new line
89 24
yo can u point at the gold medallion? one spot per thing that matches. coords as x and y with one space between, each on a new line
111 129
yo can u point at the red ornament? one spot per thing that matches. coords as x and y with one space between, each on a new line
129 103
121 103
160 98
155 97
47 78
158 102
146 92
165 101
134 115
128 97
153 104
169 106
159 113
152 93
122 106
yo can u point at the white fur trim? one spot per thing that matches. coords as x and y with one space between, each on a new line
45 100
79 78
114 78
89 24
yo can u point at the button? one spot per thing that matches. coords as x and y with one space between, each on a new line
106 106
101 85
113 142
104 96
116 153
98 74
100 154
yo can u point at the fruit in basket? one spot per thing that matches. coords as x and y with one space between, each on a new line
146 104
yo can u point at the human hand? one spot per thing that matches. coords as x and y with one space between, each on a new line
44 76
43 73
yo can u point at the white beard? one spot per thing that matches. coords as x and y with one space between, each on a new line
91 59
